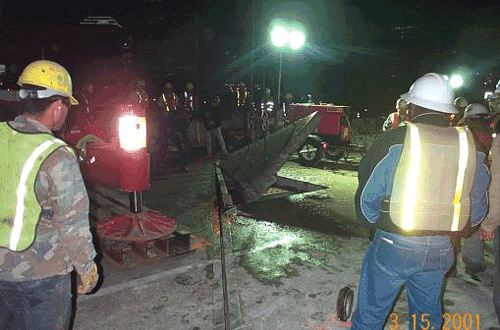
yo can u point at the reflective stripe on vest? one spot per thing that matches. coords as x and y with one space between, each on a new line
20 211
15 234
433 179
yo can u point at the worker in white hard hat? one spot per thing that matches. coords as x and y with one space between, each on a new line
477 118
398 117
460 104
419 185
490 227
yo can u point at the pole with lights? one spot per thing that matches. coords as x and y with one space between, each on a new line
283 35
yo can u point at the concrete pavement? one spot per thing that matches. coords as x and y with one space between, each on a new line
286 260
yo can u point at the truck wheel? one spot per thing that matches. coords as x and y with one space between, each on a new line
344 303
310 152
335 153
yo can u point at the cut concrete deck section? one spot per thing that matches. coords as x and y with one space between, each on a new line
251 171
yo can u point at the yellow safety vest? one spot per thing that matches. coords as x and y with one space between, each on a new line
433 179
22 156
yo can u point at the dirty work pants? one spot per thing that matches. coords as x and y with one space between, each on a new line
473 253
218 134
391 261
38 304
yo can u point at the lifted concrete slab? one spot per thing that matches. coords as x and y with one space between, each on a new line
251 171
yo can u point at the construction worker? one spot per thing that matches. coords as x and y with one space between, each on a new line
169 100
176 120
190 101
419 185
460 104
212 117
493 100
257 96
45 232
268 114
489 229
490 226
182 122
173 125
398 117
138 94
242 100
476 118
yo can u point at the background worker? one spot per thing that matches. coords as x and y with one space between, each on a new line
268 114
419 184
46 232
476 117
489 227
171 129
398 117
138 97
257 96
212 117
242 103
189 108
493 100
460 104
175 123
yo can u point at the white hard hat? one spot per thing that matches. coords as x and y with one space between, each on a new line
432 92
401 103
460 102
475 109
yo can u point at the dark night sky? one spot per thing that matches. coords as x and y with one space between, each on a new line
440 13
335 29
360 21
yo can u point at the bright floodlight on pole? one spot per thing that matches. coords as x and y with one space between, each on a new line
290 35
456 81
279 36
296 39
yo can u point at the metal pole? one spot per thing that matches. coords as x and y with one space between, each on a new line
280 116
135 201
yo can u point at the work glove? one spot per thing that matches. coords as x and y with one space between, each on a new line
88 280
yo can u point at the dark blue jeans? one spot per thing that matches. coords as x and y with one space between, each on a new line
496 288
38 304
391 261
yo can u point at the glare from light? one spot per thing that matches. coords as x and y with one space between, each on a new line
296 40
279 36
287 34
132 132
456 81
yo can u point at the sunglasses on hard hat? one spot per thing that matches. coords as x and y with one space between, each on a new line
25 94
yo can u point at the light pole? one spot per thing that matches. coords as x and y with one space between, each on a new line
289 35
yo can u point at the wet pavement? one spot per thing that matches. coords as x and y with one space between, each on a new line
286 260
